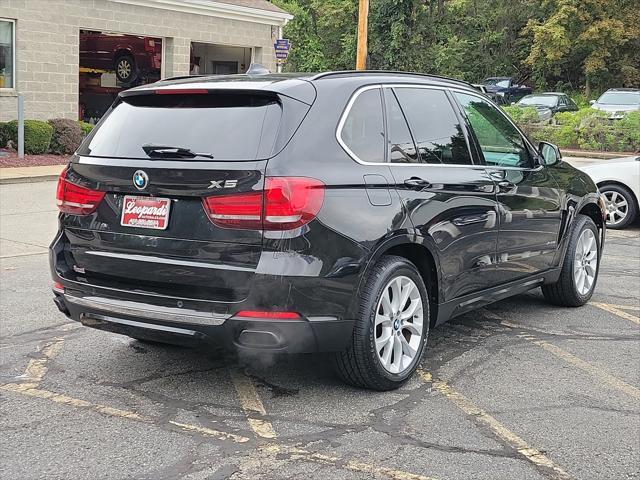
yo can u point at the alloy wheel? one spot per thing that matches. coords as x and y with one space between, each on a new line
399 324
585 264
124 68
617 207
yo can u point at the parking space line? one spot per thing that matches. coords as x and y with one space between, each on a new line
251 404
592 370
481 417
27 389
37 367
208 432
617 310
351 465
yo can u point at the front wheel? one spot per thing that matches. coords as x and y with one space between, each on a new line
580 268
621 206
391 332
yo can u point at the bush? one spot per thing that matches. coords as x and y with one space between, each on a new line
67 136
37 135
587 129
522 115
86 127
4 134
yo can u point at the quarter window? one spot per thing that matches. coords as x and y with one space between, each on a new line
363 129
500 142
435 127
7 54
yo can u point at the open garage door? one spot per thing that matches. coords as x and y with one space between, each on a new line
211 59
111 62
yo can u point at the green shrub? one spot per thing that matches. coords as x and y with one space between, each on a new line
4 134
522 115
67 136
86 127
587 129
37 135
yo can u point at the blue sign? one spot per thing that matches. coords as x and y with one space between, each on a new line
282 44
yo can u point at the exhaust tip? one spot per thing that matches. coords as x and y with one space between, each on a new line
259 339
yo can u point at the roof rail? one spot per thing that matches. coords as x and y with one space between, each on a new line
387 72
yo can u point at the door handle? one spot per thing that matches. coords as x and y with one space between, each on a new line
416 183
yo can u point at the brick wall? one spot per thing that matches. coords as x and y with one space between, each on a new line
47 44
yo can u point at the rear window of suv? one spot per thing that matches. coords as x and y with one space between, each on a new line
229 126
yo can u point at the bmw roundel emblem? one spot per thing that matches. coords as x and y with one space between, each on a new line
140 180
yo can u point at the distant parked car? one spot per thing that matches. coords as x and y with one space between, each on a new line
548 103
481 88
619 181
618 102
505 89
128 55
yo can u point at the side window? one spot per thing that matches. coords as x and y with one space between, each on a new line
435 127
500 142
363 129
400 148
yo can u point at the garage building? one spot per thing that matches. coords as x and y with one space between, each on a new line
70 58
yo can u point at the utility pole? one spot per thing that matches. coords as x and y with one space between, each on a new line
363 26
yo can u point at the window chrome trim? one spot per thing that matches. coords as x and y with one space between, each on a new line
358 92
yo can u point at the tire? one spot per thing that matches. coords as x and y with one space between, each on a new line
621 205
125 67
567 291
361 364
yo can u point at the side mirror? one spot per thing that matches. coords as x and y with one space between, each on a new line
592 102
549 153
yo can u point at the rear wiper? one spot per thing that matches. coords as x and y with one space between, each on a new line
166 151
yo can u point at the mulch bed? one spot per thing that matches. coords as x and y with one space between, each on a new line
12 159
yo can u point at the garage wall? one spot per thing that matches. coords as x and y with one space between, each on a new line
47 45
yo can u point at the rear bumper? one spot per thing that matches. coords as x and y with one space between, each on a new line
192 328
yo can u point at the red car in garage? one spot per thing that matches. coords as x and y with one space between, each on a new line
129 56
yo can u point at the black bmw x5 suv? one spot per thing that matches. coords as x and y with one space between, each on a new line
343 212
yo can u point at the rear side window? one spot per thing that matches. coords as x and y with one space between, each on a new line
435 126
363 128
401 148
229 126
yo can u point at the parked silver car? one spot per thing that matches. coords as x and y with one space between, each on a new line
618 102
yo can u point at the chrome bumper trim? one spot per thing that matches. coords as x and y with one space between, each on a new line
146 311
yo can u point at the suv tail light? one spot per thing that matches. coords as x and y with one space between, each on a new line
286 203
74 199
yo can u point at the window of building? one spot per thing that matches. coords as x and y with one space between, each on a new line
363 129
7 53
435 126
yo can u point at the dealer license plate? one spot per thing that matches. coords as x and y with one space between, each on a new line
145 212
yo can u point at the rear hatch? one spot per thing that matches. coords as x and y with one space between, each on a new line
171 184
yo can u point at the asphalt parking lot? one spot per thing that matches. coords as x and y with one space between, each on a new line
519 390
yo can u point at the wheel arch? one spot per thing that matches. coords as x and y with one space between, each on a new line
419 252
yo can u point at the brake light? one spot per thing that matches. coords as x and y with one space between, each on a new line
286 203
74 199
181 91
268 314
58 287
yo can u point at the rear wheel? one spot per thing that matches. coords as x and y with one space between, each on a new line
621 206
579 273
391 332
